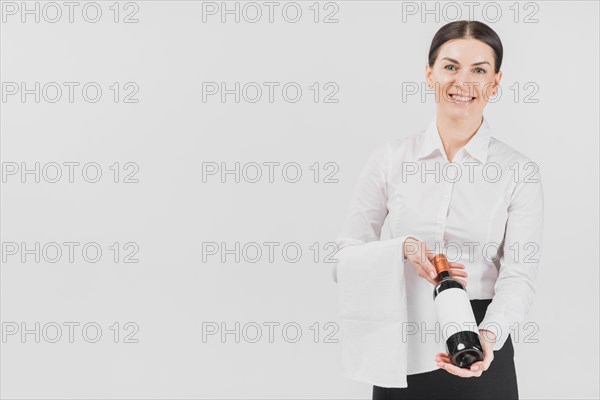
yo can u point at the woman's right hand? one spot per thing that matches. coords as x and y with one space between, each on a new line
421 258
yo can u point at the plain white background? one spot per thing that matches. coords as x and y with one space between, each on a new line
369 55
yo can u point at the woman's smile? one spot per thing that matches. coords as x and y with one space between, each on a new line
461 100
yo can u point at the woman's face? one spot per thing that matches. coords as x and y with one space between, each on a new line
463 77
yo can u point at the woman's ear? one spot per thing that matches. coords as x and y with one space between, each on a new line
497 79
428 78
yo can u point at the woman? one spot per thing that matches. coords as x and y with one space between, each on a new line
457 190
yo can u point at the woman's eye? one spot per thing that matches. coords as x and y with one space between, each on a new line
480 70
450 66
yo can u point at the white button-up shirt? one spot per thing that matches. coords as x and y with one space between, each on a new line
483 210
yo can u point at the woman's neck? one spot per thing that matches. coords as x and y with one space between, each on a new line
456 133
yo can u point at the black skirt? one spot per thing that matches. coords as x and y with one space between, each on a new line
498 382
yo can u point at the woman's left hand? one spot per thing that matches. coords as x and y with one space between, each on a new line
488 338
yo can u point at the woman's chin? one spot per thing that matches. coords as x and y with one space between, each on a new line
455 113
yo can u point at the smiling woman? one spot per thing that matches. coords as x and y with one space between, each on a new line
383 293
464 68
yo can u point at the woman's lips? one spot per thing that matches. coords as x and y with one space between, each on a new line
462 99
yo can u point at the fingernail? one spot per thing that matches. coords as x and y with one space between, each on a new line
474 368
432 274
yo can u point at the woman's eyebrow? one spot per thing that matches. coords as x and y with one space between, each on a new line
456 62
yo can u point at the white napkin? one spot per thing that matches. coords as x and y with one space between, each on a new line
373 312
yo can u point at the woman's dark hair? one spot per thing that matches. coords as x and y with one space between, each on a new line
467 29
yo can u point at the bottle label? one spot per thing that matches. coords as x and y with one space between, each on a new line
454 312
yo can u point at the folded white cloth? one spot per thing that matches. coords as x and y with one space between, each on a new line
373 312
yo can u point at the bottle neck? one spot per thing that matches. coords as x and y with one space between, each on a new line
444 275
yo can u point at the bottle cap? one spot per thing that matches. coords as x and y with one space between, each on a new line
441 263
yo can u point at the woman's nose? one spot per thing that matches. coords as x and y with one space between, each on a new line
464 76
465 85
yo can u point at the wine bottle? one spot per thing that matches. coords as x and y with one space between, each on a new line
456 317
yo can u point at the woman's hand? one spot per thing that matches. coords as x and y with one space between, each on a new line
488 338
421 259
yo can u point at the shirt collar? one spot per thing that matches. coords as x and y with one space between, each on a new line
477 146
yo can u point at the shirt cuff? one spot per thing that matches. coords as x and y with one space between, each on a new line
497 323
410 251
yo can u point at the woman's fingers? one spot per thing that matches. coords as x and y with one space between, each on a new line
422 261
418 255
426 269
478 366
459 274
443 361
443 358
430 269
427 264
462 372
456 271
425 273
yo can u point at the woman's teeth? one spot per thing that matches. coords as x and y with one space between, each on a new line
460 99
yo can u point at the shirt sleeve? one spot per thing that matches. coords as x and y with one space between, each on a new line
368 207
520 255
